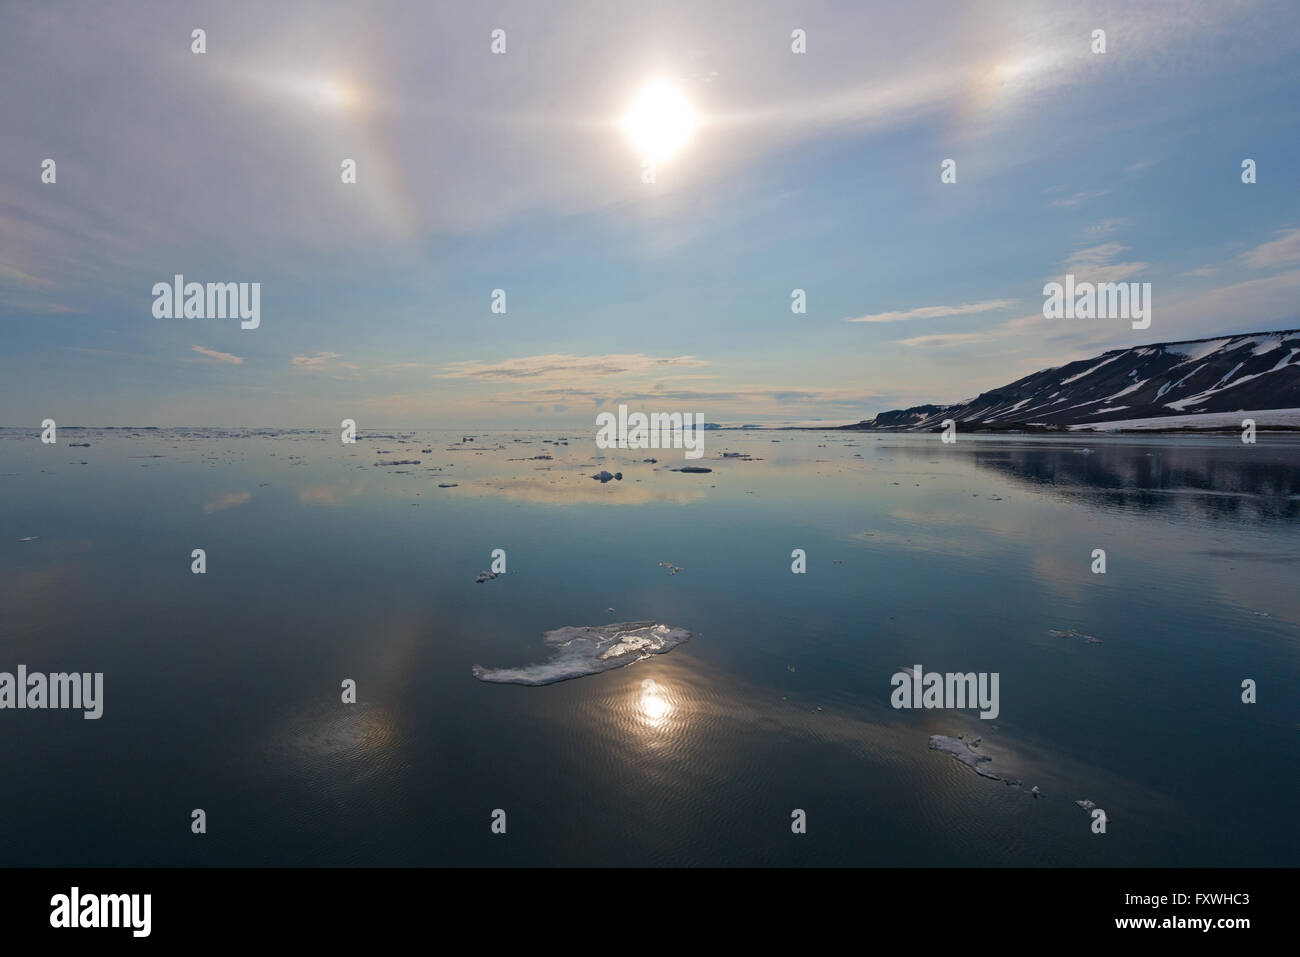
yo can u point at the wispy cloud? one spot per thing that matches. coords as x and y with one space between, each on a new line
322 362
948 339
1282 251
218 356
1098 264
563 365
936 312
1106 226
14 275
1078 199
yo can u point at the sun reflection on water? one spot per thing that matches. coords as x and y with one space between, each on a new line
654 706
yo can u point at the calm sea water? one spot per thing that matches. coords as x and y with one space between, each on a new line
222 691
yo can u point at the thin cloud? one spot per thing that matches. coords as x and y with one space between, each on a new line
1078 199
1098 264
948 339
218 356
1283 251
1106 226
322 362
935 312
563 365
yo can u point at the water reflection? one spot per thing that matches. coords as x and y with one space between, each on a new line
654 704
1206 478
965 557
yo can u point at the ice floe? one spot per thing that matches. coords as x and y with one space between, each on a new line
1075 633
589 650
960 750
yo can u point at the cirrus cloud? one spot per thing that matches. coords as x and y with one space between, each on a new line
218 356
566 366
936 312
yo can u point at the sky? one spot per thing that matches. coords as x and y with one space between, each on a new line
479 171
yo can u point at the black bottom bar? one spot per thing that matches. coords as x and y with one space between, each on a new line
304 906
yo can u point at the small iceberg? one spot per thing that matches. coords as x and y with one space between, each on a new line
959 750
589 650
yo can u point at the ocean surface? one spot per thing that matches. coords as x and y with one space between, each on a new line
222 691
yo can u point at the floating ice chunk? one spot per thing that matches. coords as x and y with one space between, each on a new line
1086 805
29 538
1074 633
589 650
962 752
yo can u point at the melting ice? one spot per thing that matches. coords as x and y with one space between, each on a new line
589 650
963 753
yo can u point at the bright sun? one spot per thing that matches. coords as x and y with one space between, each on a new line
660 121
